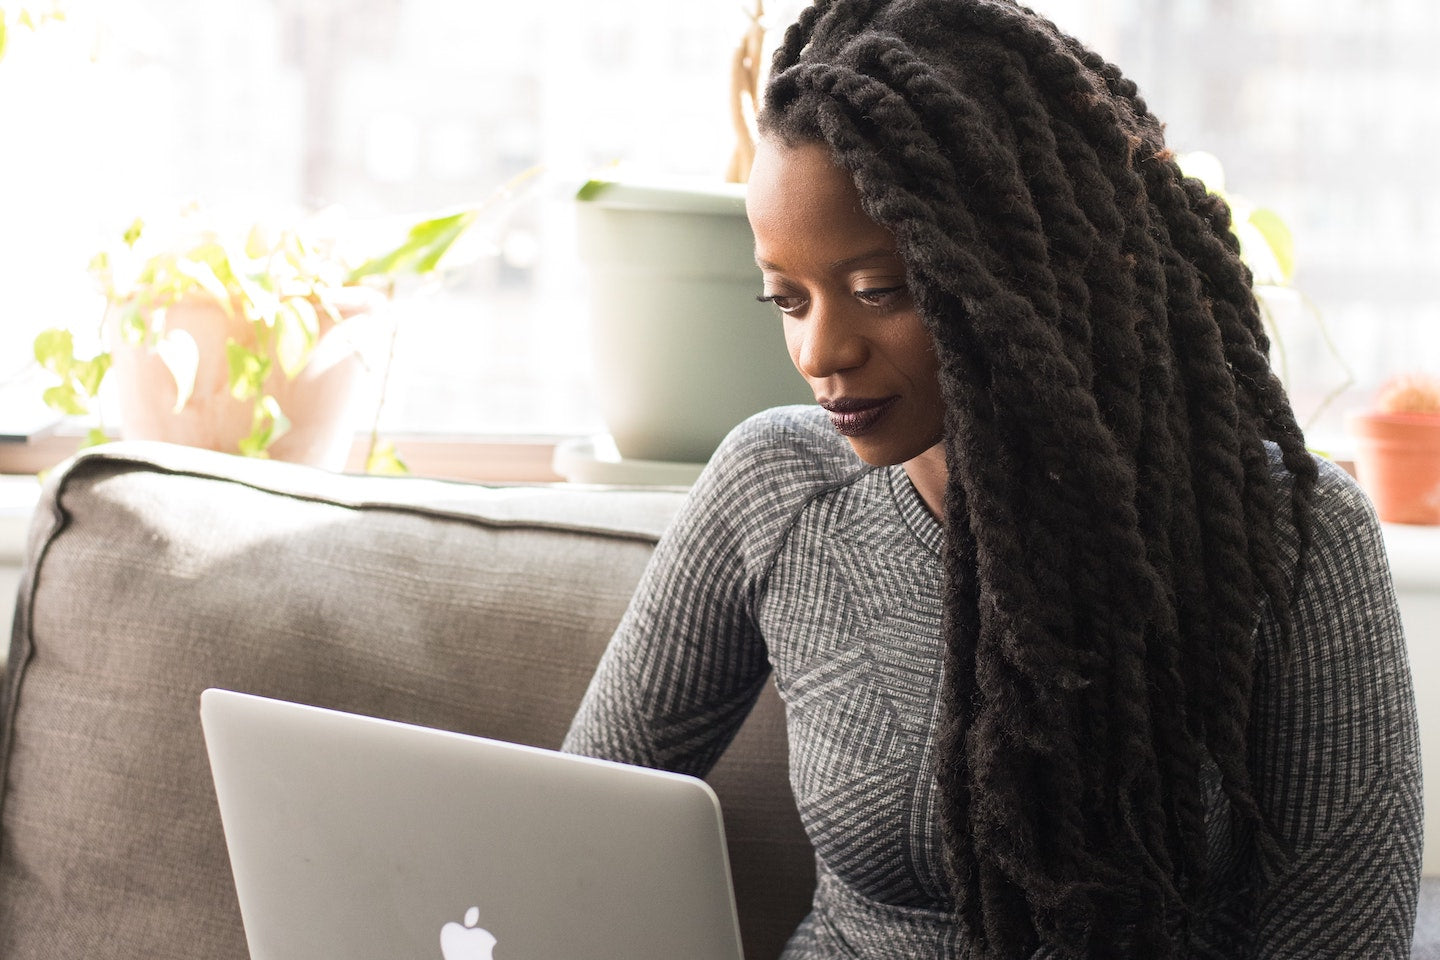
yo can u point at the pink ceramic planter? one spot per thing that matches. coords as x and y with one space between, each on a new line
319 401
1397 460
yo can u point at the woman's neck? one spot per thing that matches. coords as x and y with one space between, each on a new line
927 473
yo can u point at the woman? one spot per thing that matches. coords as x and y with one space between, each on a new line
1083 654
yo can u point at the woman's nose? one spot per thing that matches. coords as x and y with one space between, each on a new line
826 342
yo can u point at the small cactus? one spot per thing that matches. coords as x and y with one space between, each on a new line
1410 393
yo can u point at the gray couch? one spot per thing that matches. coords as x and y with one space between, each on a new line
156 571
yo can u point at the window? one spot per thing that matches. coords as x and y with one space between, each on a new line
388 108
1323 110
1326 112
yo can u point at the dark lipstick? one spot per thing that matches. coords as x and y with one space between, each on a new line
853 416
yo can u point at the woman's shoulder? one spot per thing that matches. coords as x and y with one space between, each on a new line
1342 515
1345 563
793 446
767 470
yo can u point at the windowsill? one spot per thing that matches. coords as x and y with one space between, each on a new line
480 459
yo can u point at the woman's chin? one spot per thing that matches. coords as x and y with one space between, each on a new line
877 455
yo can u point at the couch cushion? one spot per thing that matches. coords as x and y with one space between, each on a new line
157 571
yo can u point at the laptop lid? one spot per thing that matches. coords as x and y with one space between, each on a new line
368 839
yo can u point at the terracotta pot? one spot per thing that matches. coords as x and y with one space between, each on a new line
319 401
1397 460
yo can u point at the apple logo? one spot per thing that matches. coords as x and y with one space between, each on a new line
468 942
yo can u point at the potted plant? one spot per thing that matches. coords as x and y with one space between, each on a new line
689 356
246 342
683 352
1397 449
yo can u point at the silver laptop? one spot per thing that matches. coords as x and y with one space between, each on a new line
365 839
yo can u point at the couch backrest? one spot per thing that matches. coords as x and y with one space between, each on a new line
154 572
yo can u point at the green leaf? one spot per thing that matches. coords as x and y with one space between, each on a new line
429 240
133 327
79 379
204 275
4 35
132 232
66 399
297 328
99 269
268 425
215 255
55 351
95 437
385 460
247 371
90 373
426 243
1277 237
592 189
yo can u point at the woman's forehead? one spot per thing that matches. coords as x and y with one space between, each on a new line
798 196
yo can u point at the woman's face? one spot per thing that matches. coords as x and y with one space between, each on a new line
850 323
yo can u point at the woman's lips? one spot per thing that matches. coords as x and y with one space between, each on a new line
854 417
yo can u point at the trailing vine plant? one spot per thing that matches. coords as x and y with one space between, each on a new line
283 284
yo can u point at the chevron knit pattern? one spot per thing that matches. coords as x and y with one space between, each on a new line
794 557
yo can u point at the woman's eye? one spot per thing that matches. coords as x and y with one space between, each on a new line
880 296
785 304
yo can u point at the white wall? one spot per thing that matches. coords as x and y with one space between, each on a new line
1415 564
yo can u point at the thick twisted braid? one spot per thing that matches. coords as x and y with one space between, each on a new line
1108 537
1017 658
1263 397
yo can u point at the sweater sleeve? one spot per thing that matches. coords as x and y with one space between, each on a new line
1337 752
687 661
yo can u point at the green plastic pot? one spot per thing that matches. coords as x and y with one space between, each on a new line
683 351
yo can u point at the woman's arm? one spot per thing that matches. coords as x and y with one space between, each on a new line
684 666
687 661
1337 752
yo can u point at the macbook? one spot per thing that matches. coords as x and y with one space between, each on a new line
364 839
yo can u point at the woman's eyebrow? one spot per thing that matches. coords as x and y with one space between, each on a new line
879 253
869 256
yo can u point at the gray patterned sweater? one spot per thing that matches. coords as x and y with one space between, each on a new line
794 557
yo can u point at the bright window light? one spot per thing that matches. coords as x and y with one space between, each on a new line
1323 111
